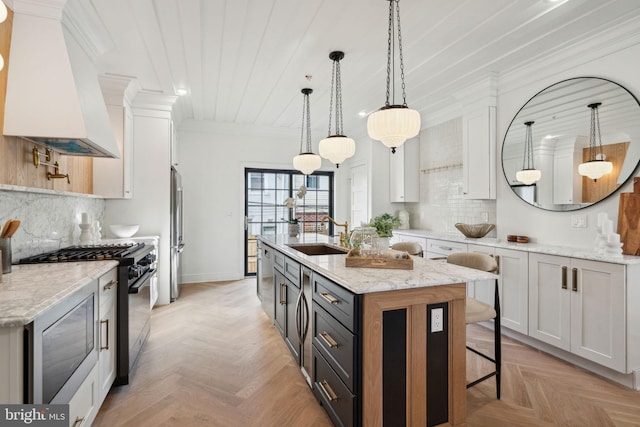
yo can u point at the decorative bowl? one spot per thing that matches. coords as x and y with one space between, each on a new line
475 230
124 230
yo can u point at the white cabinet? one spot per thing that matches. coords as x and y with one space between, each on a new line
443 248
83 406
514 288
479 153
107 286
579 305
113 178
404 173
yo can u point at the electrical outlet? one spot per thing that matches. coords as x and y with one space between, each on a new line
437 321
579 221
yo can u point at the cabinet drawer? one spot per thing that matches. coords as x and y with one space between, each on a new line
278 261
82 406
336 344
292 271
443 248
336 398
336 300
107 286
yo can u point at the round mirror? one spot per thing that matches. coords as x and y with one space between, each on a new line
565 131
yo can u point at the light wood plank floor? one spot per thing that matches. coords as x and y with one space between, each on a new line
213 359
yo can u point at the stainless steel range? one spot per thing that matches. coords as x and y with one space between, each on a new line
136 274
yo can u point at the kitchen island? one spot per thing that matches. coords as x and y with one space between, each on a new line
387 345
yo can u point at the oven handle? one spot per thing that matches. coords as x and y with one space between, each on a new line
142 282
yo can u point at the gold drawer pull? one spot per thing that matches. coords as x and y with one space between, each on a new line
564 277
283 294
78 421
328 339
326 389
329 298
574 284
105 347
109 285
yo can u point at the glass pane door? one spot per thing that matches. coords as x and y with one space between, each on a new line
266 191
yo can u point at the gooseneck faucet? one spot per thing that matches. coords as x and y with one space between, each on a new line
343 235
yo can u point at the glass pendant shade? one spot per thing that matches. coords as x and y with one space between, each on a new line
394 123
337 148
3 11
528 174
307 163
596 167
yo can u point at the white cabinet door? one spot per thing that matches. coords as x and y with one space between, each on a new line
83 406
108 285
113 178
404 173
478 154
598 312
514 286
579 306
550 299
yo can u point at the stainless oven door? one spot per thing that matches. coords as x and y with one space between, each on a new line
139 315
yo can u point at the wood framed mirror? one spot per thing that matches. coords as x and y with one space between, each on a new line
560 142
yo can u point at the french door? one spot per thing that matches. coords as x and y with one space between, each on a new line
266 192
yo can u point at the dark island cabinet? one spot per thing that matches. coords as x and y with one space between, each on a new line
337 351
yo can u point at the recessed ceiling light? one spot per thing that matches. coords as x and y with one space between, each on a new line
181 92
363 113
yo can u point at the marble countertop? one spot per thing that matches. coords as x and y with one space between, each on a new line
568 251
367 280
30 289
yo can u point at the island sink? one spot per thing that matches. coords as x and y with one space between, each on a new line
318 249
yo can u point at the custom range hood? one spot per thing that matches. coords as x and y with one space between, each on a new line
53 95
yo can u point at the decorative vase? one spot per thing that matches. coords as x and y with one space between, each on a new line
294 230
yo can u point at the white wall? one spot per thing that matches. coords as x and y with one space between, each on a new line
614 62
213 157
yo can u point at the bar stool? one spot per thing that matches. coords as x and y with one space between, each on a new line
412 248
477 311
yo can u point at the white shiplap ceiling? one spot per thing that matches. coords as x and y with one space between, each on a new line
245 61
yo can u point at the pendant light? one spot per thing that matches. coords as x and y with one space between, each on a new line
596 166
393 124
529 174
337 148
306 162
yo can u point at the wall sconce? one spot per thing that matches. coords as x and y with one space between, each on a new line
47 162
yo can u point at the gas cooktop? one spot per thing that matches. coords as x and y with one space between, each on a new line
114 251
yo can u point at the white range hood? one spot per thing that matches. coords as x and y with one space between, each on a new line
53 95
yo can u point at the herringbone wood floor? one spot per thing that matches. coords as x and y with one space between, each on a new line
213 359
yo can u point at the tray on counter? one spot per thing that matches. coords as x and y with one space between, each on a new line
389 258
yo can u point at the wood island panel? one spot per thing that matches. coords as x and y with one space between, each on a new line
414 301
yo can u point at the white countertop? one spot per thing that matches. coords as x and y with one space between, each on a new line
30 289
367 280
568 251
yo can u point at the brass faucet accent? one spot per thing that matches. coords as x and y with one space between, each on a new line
343 235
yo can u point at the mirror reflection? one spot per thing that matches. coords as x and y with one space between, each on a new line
567 135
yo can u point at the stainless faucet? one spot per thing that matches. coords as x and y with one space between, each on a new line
344 236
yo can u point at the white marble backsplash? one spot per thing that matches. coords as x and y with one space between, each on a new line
48 219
